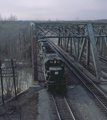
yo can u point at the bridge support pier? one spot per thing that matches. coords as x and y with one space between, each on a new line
34 51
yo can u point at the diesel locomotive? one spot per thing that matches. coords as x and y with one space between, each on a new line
53 67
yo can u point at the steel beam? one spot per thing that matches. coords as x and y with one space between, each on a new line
31 44
70 50
77 47
75 53
81 50
81 38
34 39
101 45
94 51
88 53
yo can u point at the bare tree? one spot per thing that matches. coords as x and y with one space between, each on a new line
14 43
14 38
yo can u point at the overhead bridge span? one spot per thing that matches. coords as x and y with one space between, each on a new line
85 41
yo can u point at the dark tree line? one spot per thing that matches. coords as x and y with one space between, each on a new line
14 39
14 44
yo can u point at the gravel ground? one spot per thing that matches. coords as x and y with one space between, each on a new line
24 108
103 86
85 104
38 105
44 107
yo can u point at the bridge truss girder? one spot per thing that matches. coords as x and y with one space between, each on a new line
79 39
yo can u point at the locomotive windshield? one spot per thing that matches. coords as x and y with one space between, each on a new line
55 70
53 63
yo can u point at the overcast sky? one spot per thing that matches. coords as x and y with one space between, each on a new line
54 9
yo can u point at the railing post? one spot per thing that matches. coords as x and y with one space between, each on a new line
14 77
1 83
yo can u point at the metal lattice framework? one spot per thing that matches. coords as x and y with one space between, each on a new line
81 40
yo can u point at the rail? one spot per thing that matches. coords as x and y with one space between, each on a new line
103 101
59 108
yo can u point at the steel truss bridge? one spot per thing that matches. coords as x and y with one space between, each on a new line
85 41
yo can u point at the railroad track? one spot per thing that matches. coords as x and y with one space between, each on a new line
103 59
63 108
100 96
103 63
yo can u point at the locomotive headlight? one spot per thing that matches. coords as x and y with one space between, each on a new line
56 73
54 61
51 61
58 61
51 81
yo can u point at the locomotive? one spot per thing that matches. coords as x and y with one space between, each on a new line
53 67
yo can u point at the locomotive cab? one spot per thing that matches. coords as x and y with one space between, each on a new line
55 74
53 68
